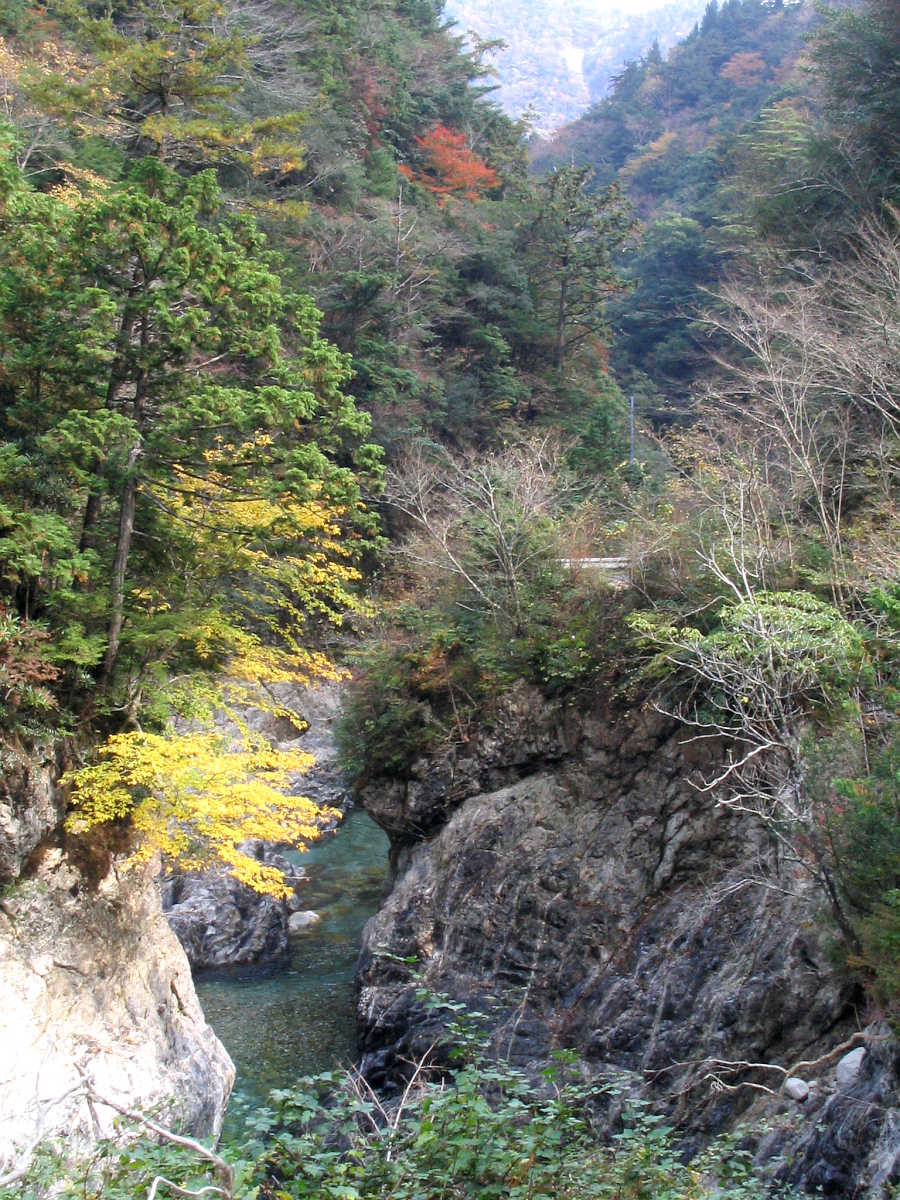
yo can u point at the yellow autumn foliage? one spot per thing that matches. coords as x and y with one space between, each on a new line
286 562
291 556
195 799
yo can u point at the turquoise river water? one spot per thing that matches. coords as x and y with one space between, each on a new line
299 1019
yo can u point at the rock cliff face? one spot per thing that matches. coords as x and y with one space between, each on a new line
563 876
95 991
30 805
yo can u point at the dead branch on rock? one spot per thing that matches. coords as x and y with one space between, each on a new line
16 1164
364 1090
716 1072
223 1169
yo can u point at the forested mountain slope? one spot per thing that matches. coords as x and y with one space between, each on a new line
200 175
676 131
555 60
742 582
284 318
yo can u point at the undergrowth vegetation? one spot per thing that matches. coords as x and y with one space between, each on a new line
488 587
474 1130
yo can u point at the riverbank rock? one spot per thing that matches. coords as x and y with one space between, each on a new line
301 921
96 993
222 922
527 734
599 902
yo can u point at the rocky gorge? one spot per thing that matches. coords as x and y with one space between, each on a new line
562 875
98 1009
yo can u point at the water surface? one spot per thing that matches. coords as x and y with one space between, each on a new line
299 1019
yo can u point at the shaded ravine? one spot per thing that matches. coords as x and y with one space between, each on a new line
298 1019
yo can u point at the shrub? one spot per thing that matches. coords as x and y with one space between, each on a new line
478 1130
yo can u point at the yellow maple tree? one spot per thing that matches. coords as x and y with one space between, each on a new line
196 799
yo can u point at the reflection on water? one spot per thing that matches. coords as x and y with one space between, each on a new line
299 1019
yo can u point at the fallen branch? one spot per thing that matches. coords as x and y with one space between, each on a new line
223 1169
12 1172
716 1067
723 1065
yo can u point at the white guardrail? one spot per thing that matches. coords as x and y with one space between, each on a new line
615 569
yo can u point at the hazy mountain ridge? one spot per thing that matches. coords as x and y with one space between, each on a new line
557 61
673 133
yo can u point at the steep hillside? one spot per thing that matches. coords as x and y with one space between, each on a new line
283 316
673 132
205 210
359 196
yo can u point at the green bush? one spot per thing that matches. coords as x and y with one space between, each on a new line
439 679
486 1132
476 1130
384 725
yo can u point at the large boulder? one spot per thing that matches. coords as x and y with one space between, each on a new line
221 922
97 1003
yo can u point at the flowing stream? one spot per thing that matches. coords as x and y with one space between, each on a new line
299 1019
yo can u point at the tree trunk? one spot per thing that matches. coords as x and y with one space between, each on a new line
91 516
117 377
126 519
560 355
120 563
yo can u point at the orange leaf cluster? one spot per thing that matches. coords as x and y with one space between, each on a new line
744 70
451 168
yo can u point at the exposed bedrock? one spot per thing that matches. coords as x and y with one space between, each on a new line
221 922
31 805
96 997
596 900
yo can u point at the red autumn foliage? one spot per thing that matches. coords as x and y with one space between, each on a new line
744 70
23 667
451 168
372 93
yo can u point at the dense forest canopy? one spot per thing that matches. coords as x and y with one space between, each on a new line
207 210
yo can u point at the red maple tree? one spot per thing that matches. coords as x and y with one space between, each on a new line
450 167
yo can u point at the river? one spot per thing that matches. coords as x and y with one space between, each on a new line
299 1019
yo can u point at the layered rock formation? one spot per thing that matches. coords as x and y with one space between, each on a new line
563 876
96 998
31 805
